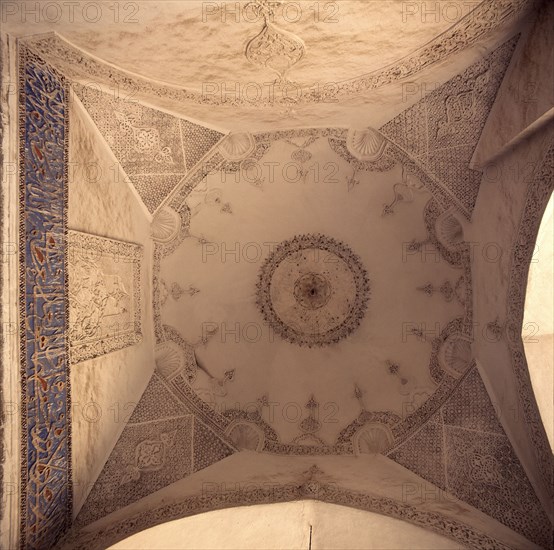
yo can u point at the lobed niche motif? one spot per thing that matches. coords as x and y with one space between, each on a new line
313 290
237 146
449 230
366 145
372 439
246 436
165 225
456 355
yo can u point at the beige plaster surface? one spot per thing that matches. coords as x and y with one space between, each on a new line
353 42
105 389
200 42
263 361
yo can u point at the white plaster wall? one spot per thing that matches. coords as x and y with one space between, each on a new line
105 389
538 321
304 524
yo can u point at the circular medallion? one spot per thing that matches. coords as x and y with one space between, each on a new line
313 290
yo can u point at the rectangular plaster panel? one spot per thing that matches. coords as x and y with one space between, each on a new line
104 295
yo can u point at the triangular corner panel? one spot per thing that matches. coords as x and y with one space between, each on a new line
442 130
464 450
155 149
162 443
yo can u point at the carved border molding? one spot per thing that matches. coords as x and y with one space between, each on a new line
538 195
478 23
337 140
310 488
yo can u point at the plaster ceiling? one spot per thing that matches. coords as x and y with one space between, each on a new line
264 362
303 291
342 39
272 72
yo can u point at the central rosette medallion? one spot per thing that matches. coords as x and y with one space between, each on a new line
313 290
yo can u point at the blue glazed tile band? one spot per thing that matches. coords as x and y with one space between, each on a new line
46 451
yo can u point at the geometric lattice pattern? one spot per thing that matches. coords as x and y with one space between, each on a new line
423 453
155 149
441 130
197 141
465 451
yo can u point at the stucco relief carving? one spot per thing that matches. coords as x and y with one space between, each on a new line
162 442
150 456
275 49
422 408
452 356
455 354
105 295
156 150
170 359
237 146
538 195
310 487
380 162
165 225
484 19
441 131
366 144
145 141
463 449
447 290
449 230
404 191
313 290
372 439
246 435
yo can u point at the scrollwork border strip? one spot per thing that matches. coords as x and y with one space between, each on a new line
538 195
455 530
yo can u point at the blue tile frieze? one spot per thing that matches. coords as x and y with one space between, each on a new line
46 457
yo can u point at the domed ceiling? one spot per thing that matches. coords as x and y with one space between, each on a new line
323 294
